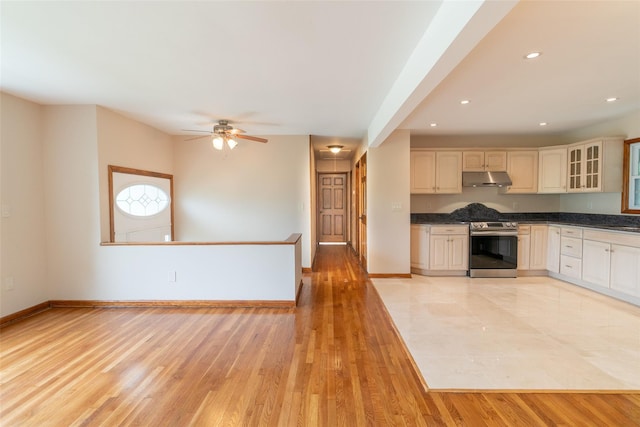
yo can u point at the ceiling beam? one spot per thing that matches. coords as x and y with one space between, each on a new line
455 30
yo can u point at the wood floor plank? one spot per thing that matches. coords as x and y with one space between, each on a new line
335 360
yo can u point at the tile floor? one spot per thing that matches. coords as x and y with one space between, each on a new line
525 333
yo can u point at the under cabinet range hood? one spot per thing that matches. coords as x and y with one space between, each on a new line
485 179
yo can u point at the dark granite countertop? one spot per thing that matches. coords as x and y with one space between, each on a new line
479 212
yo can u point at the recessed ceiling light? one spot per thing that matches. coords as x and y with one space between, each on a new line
543 123
532 55
464 101
612 99
433 125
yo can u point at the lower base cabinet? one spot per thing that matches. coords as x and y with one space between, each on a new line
595 262
439 249
625 269
419 246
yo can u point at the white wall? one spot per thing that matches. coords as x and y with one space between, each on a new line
202 272
388 206
128 143
490 197
72 199
23 258
333 166
54 181
627 126
255 192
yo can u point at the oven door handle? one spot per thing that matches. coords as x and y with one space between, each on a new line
494 233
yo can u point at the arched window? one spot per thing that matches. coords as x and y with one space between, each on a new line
142 200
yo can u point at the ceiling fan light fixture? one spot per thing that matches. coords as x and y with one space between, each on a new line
335 149
218 143
232 143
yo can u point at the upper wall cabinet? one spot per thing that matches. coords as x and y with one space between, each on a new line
436 172
552 170
478 161
522 167
595 166
423 172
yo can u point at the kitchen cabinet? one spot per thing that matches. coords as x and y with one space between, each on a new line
532 247
524 243
552 170
595 262
423 171
571 252
419 247
625 269
436 172
553 249
478 161
522 167
595 166
601 260
612 260
538 247
449 248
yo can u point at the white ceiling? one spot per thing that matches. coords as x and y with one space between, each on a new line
327 68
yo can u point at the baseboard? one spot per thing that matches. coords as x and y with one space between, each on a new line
390 275
22 314
175 303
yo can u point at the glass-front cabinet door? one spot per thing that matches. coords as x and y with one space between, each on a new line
631 171
585 167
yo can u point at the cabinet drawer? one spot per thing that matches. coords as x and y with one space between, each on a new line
524 229
572 232
570 266
571 246
449 229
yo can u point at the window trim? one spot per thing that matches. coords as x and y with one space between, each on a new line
132 171
626 168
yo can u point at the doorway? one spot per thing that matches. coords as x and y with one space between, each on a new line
361 210
332 208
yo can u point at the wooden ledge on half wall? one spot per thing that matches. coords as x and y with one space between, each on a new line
291 240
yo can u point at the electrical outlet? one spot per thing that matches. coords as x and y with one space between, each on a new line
6 211
515 206
171 276
8 283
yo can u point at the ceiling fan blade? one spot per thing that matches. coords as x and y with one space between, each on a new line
236 131
252 138
196 137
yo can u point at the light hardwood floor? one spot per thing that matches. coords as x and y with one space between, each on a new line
334 360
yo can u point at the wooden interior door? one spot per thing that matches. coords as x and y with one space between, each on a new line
332 207
361 210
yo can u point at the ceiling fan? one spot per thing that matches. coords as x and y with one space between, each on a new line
223 133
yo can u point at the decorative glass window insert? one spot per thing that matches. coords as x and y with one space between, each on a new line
142 200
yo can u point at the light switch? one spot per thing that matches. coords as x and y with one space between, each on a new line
6 211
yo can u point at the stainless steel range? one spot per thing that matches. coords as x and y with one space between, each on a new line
493 249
